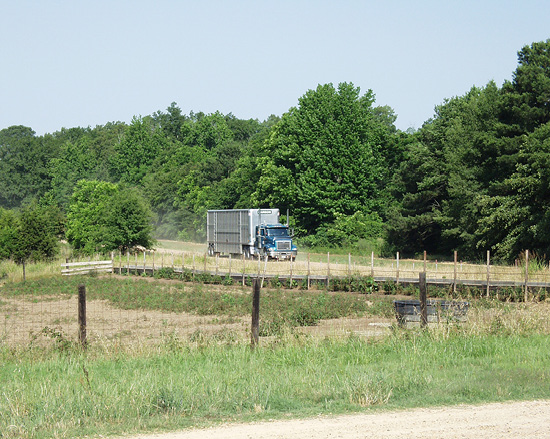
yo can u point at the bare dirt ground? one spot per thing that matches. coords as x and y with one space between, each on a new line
529 419
40 320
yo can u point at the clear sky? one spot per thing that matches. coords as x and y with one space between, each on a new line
85 63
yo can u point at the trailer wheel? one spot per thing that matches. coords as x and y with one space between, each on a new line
246 251
210 250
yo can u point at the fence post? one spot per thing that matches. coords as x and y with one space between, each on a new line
244 269
308 273
82 315
425 261
328 270
153 264
423 299
291 262
144 260
255 333
372 264
488 270
455 273
265 269
397 268
127 262
526 275
194 269
230 264
349 272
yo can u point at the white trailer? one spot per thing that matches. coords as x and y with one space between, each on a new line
248 231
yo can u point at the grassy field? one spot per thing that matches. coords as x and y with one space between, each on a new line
197 379
185 383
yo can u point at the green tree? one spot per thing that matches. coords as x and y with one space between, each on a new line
103 216
519 218
33 235
8 233
24 161
136 152
128 221
88 210
324 158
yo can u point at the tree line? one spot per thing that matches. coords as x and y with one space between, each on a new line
474 177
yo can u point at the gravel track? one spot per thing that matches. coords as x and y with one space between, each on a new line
526 419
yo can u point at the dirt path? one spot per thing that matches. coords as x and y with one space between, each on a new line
492 421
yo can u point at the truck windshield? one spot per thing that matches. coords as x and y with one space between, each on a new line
277 232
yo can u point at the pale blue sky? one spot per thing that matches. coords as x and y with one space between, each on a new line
86 63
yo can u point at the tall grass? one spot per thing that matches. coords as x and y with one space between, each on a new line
199 381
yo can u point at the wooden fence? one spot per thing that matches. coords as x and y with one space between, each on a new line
322 269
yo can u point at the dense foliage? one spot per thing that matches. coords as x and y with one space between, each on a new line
472 178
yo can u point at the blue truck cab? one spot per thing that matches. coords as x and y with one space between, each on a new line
275 241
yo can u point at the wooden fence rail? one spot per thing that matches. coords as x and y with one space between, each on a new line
72 268
318 269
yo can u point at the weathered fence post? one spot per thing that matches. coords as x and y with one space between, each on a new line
488 270
372 264
144 260
423 299
349 272
455 272
127 262
244 269
194 268
526 276
308 273
397 268
425 261
265 270
328 270
255 333
82 315
291 267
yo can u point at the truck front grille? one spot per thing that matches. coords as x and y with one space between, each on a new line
283 245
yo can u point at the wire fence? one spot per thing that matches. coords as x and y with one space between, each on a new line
145 311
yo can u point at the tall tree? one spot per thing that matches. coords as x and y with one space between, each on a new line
324 158
104 216
136 152
24 160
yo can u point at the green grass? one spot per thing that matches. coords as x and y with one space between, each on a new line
56 390
186 384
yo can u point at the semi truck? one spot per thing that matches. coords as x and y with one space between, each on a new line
249 232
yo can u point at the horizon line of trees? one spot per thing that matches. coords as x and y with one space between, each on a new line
475 177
